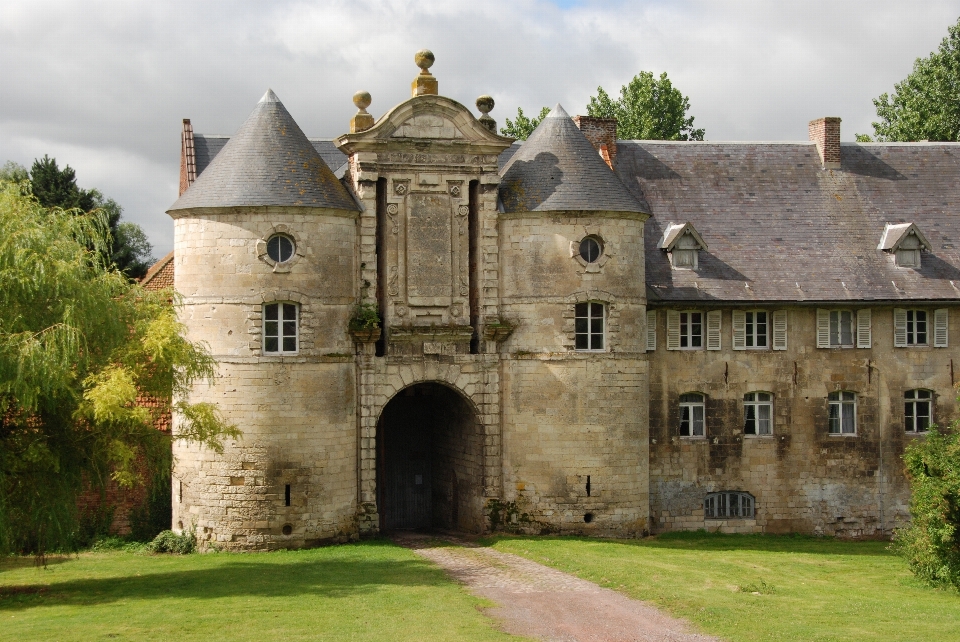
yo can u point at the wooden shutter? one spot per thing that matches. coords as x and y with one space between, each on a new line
651 330
673 330
940 328
864 329
739 330
779 329
899 328
823 328
714 325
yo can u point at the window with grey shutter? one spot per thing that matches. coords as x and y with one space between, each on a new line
940 325
899 328
651 330
739 330
864 329
780 330
673 330
823 328
714 327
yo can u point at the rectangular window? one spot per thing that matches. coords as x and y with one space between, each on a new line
916 410
691 415
756 329
691 329
589 321
843 413
841 328
758 413
280 328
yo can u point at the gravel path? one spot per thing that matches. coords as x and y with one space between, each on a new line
537 601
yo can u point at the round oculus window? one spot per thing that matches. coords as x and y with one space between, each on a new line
280 248
590 249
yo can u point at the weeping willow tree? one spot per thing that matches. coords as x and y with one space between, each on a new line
78 345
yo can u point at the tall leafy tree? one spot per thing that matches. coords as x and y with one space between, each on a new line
926 104
521 127
128 250
79 343
931 542
648 109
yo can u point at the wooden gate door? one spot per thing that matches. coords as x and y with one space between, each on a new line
406 488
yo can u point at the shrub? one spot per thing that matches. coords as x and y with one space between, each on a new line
931 543
170 542
365 317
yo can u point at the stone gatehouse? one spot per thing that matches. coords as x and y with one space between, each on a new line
577 334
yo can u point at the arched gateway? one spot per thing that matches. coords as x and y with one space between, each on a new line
430 461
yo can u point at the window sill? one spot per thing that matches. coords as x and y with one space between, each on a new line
746 436
914 433
694 438
844 434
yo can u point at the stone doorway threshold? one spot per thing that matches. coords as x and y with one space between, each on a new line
540 602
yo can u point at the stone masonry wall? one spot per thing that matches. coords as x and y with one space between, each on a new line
803 479
297 412
571 417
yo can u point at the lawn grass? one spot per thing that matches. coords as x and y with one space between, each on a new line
756 587
374 590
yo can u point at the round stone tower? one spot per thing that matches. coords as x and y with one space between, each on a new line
266 246
574 373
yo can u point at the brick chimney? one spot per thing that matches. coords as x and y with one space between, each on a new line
602 134
825 132
188 157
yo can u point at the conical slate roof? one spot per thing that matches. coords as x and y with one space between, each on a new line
268 161
558 169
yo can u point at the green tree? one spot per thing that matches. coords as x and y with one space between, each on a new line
128 249
79 343
522 127
13 173
926 104
931 542
647 109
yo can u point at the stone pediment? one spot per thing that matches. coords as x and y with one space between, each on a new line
421 118
427 126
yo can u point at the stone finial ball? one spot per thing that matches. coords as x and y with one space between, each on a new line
424 59
362 99
485 104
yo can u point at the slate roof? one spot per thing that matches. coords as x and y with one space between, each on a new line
557 169
781 228
269 161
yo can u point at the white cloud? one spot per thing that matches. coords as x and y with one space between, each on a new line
102 85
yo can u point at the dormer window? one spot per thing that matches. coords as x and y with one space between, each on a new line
905 241
682 244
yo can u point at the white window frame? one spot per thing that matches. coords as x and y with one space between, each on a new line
689 409
590 333
686 329
745 335
911 401
729 504
841 399
906 324
859 328
282 330
754 404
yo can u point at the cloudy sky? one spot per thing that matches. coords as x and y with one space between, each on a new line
103 85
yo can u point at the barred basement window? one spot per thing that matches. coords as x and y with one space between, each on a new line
691 415
589 322
728 505
916 410
843 413
758 413
280 328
